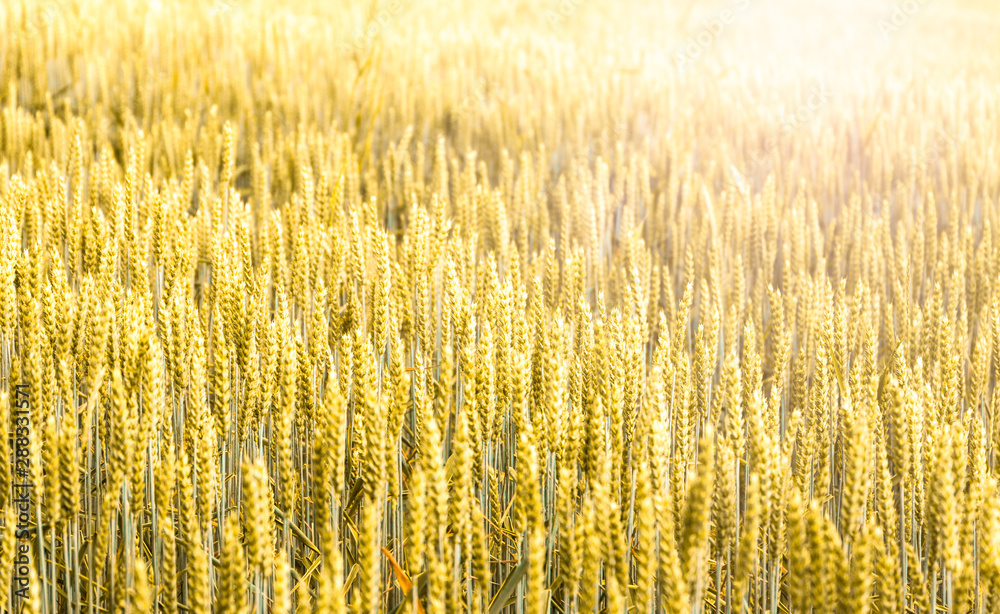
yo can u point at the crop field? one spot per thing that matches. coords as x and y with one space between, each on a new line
443 306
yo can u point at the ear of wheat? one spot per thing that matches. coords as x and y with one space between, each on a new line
570 307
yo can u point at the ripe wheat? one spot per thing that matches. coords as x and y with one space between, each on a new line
493 310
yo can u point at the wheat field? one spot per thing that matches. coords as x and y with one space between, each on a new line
513 308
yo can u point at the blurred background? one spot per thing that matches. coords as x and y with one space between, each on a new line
750 81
